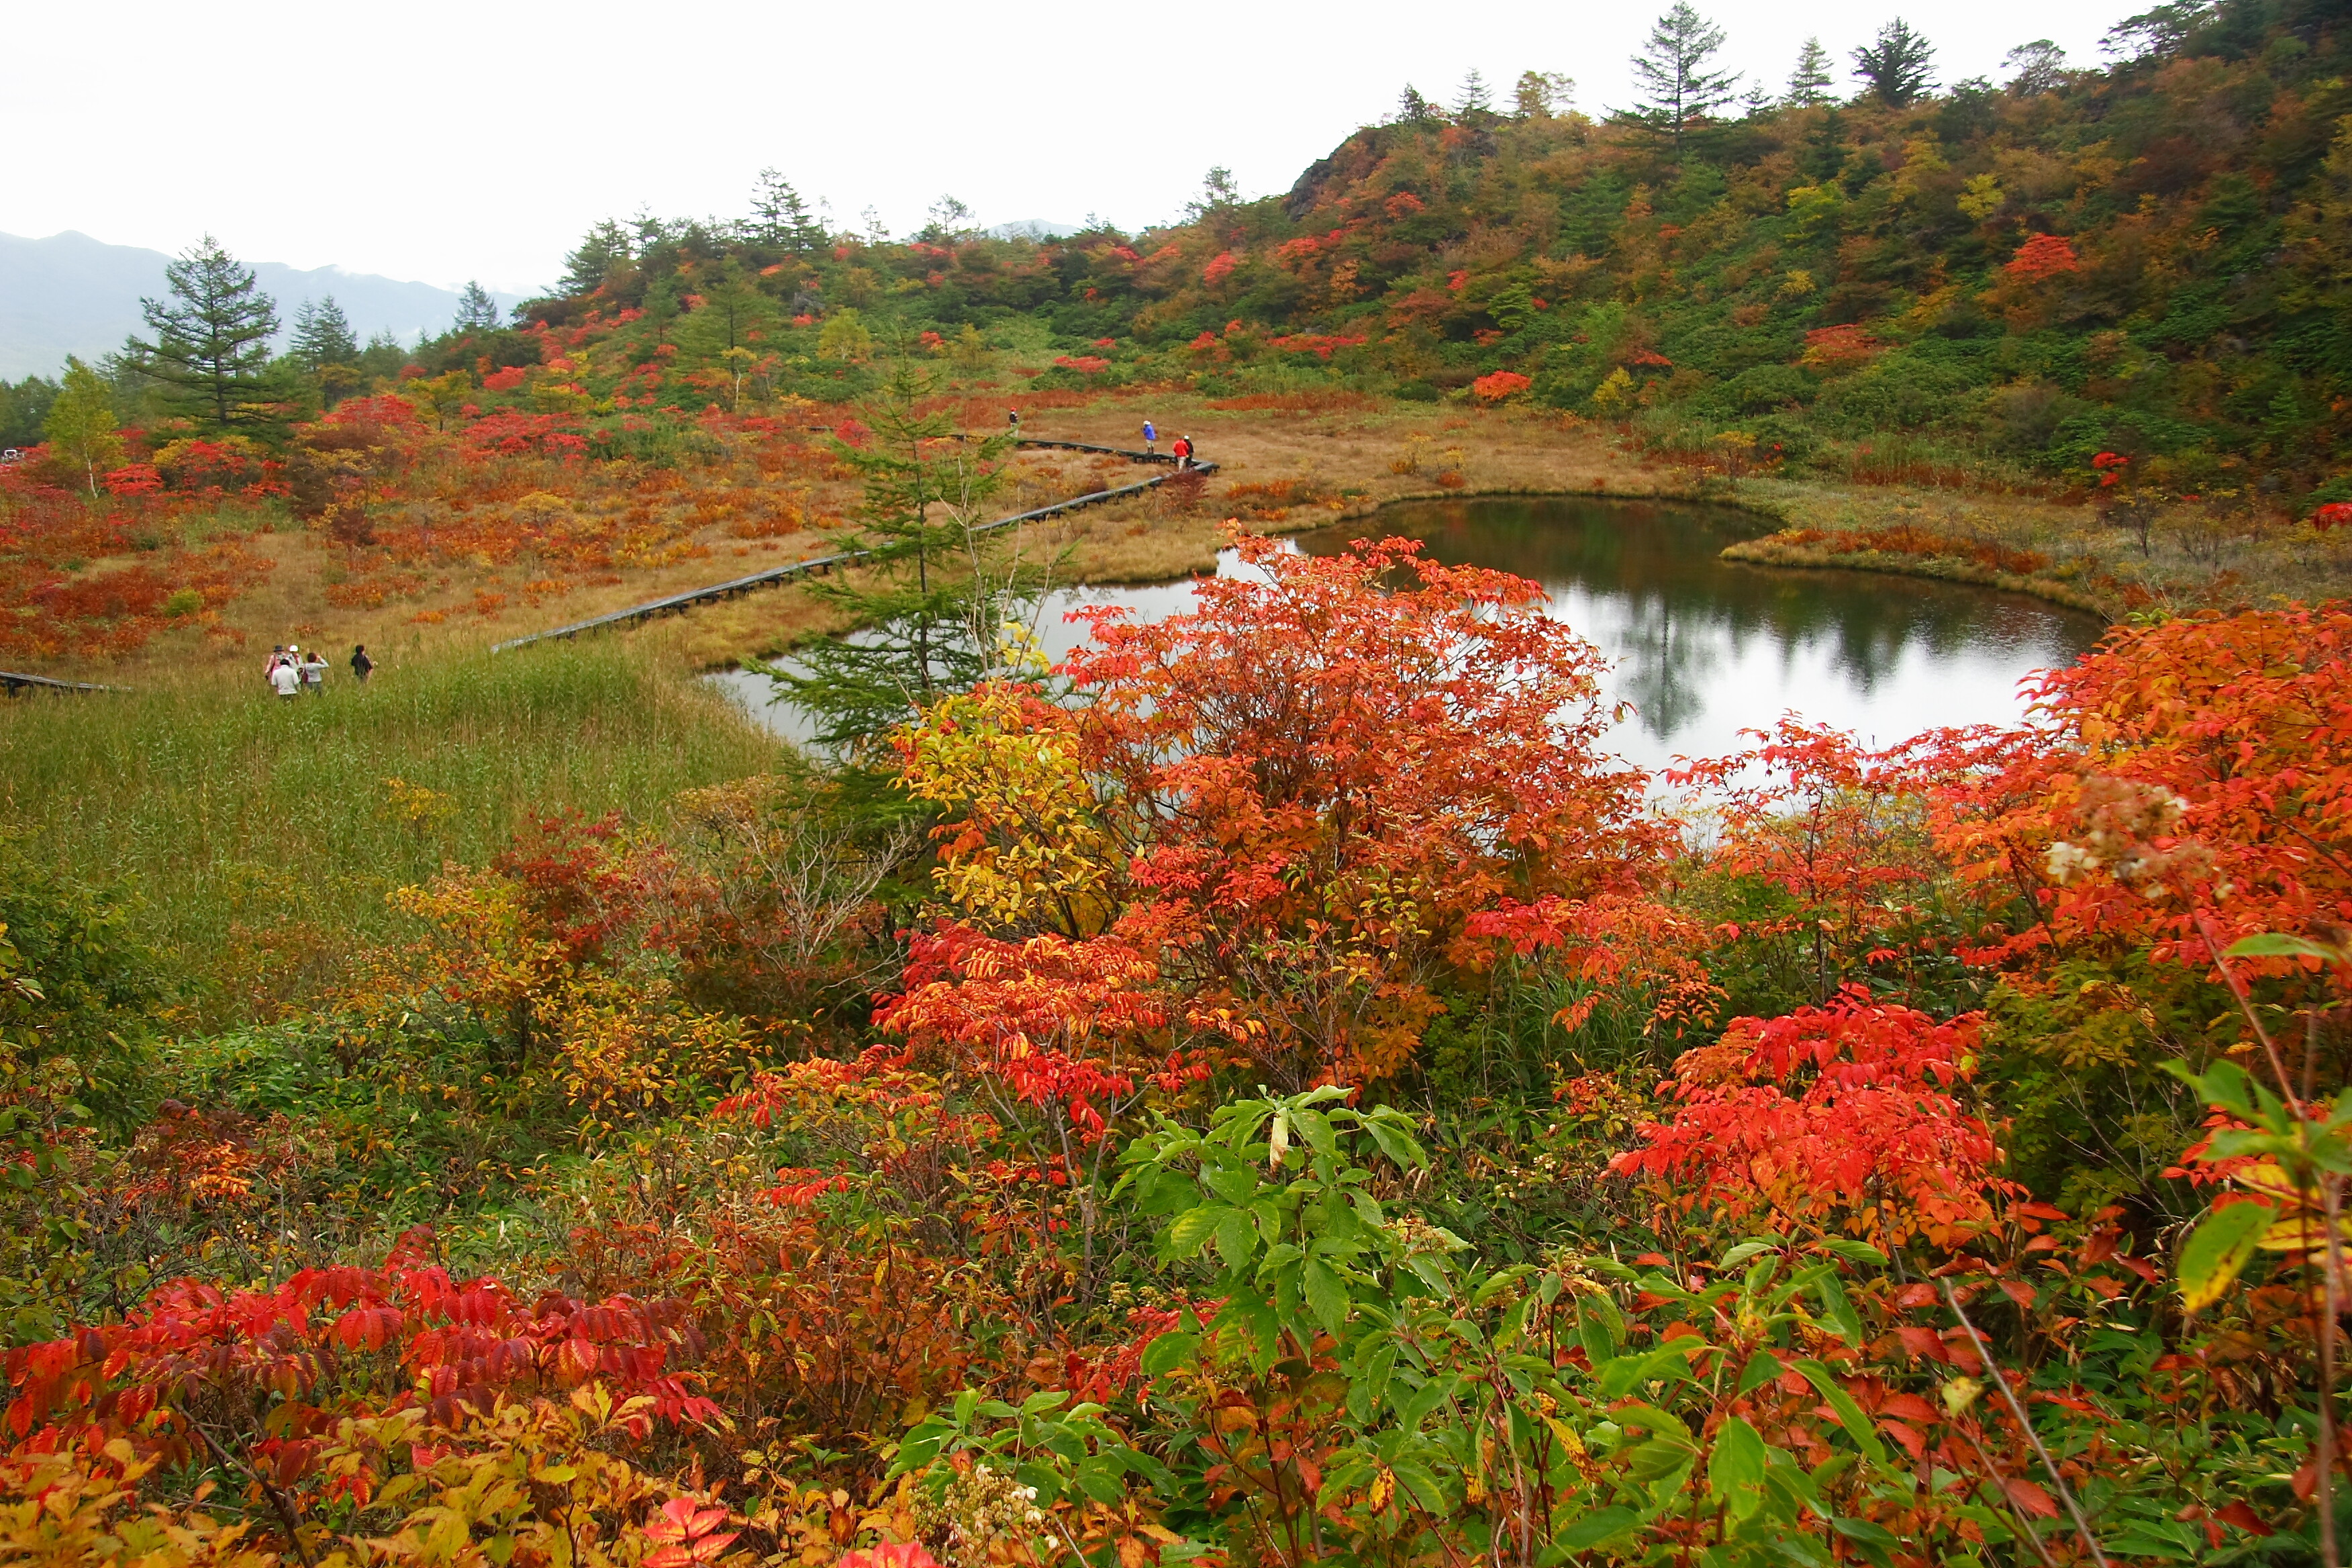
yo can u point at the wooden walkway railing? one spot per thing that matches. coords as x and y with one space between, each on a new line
735 587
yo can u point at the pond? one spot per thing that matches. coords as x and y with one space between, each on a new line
1701 646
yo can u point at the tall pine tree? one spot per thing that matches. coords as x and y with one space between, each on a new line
604 254
323 335
780 219
210 352
1679 93
1900 65
1809 82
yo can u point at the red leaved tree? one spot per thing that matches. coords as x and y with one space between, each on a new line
1834 830
1841 1118
1291 802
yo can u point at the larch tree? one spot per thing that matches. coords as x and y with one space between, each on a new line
1678 90
210 351
80 424
1898 66
1473 97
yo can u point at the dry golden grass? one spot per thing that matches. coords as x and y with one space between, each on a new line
1352 458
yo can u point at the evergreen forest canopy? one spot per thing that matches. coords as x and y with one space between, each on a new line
1272 1090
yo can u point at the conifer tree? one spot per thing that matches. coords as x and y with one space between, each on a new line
477 311
1474 97
603 253
780 219
1671 72
1414 110
80 424
323 335
937 595
1899 65
1809 82
211 347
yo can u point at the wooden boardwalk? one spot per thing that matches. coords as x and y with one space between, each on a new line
15 683
735 587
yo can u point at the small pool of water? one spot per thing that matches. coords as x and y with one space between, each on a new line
1701 646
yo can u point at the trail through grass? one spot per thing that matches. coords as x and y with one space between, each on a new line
260 835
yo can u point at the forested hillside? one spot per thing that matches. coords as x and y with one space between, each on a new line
1277 1087
2153 258
2148 258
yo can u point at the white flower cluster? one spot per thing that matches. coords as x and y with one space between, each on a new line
979 1506
2130 834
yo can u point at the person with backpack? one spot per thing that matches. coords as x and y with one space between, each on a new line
360 663
1183 451
314 673
269 666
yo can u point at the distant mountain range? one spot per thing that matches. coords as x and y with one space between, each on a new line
70 294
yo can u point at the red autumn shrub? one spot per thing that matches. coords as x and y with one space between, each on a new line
278 1365
2193 772
1837 1118
1832 348
2043 257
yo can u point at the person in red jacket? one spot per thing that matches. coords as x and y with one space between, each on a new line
1181 450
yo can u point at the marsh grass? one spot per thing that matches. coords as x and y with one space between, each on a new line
259 835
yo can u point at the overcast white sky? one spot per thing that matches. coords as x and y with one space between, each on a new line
440 141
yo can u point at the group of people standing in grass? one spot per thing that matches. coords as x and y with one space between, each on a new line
291 672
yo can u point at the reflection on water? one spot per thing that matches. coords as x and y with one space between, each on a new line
1701 647
1705 648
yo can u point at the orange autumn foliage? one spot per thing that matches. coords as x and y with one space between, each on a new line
2197 771
1300 793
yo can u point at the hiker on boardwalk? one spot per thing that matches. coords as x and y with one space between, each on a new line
360 663
314 673
285 679
1150 437
1183 450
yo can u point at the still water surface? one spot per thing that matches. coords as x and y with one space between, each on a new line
1701 646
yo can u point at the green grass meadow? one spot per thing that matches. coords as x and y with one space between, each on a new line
227 812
